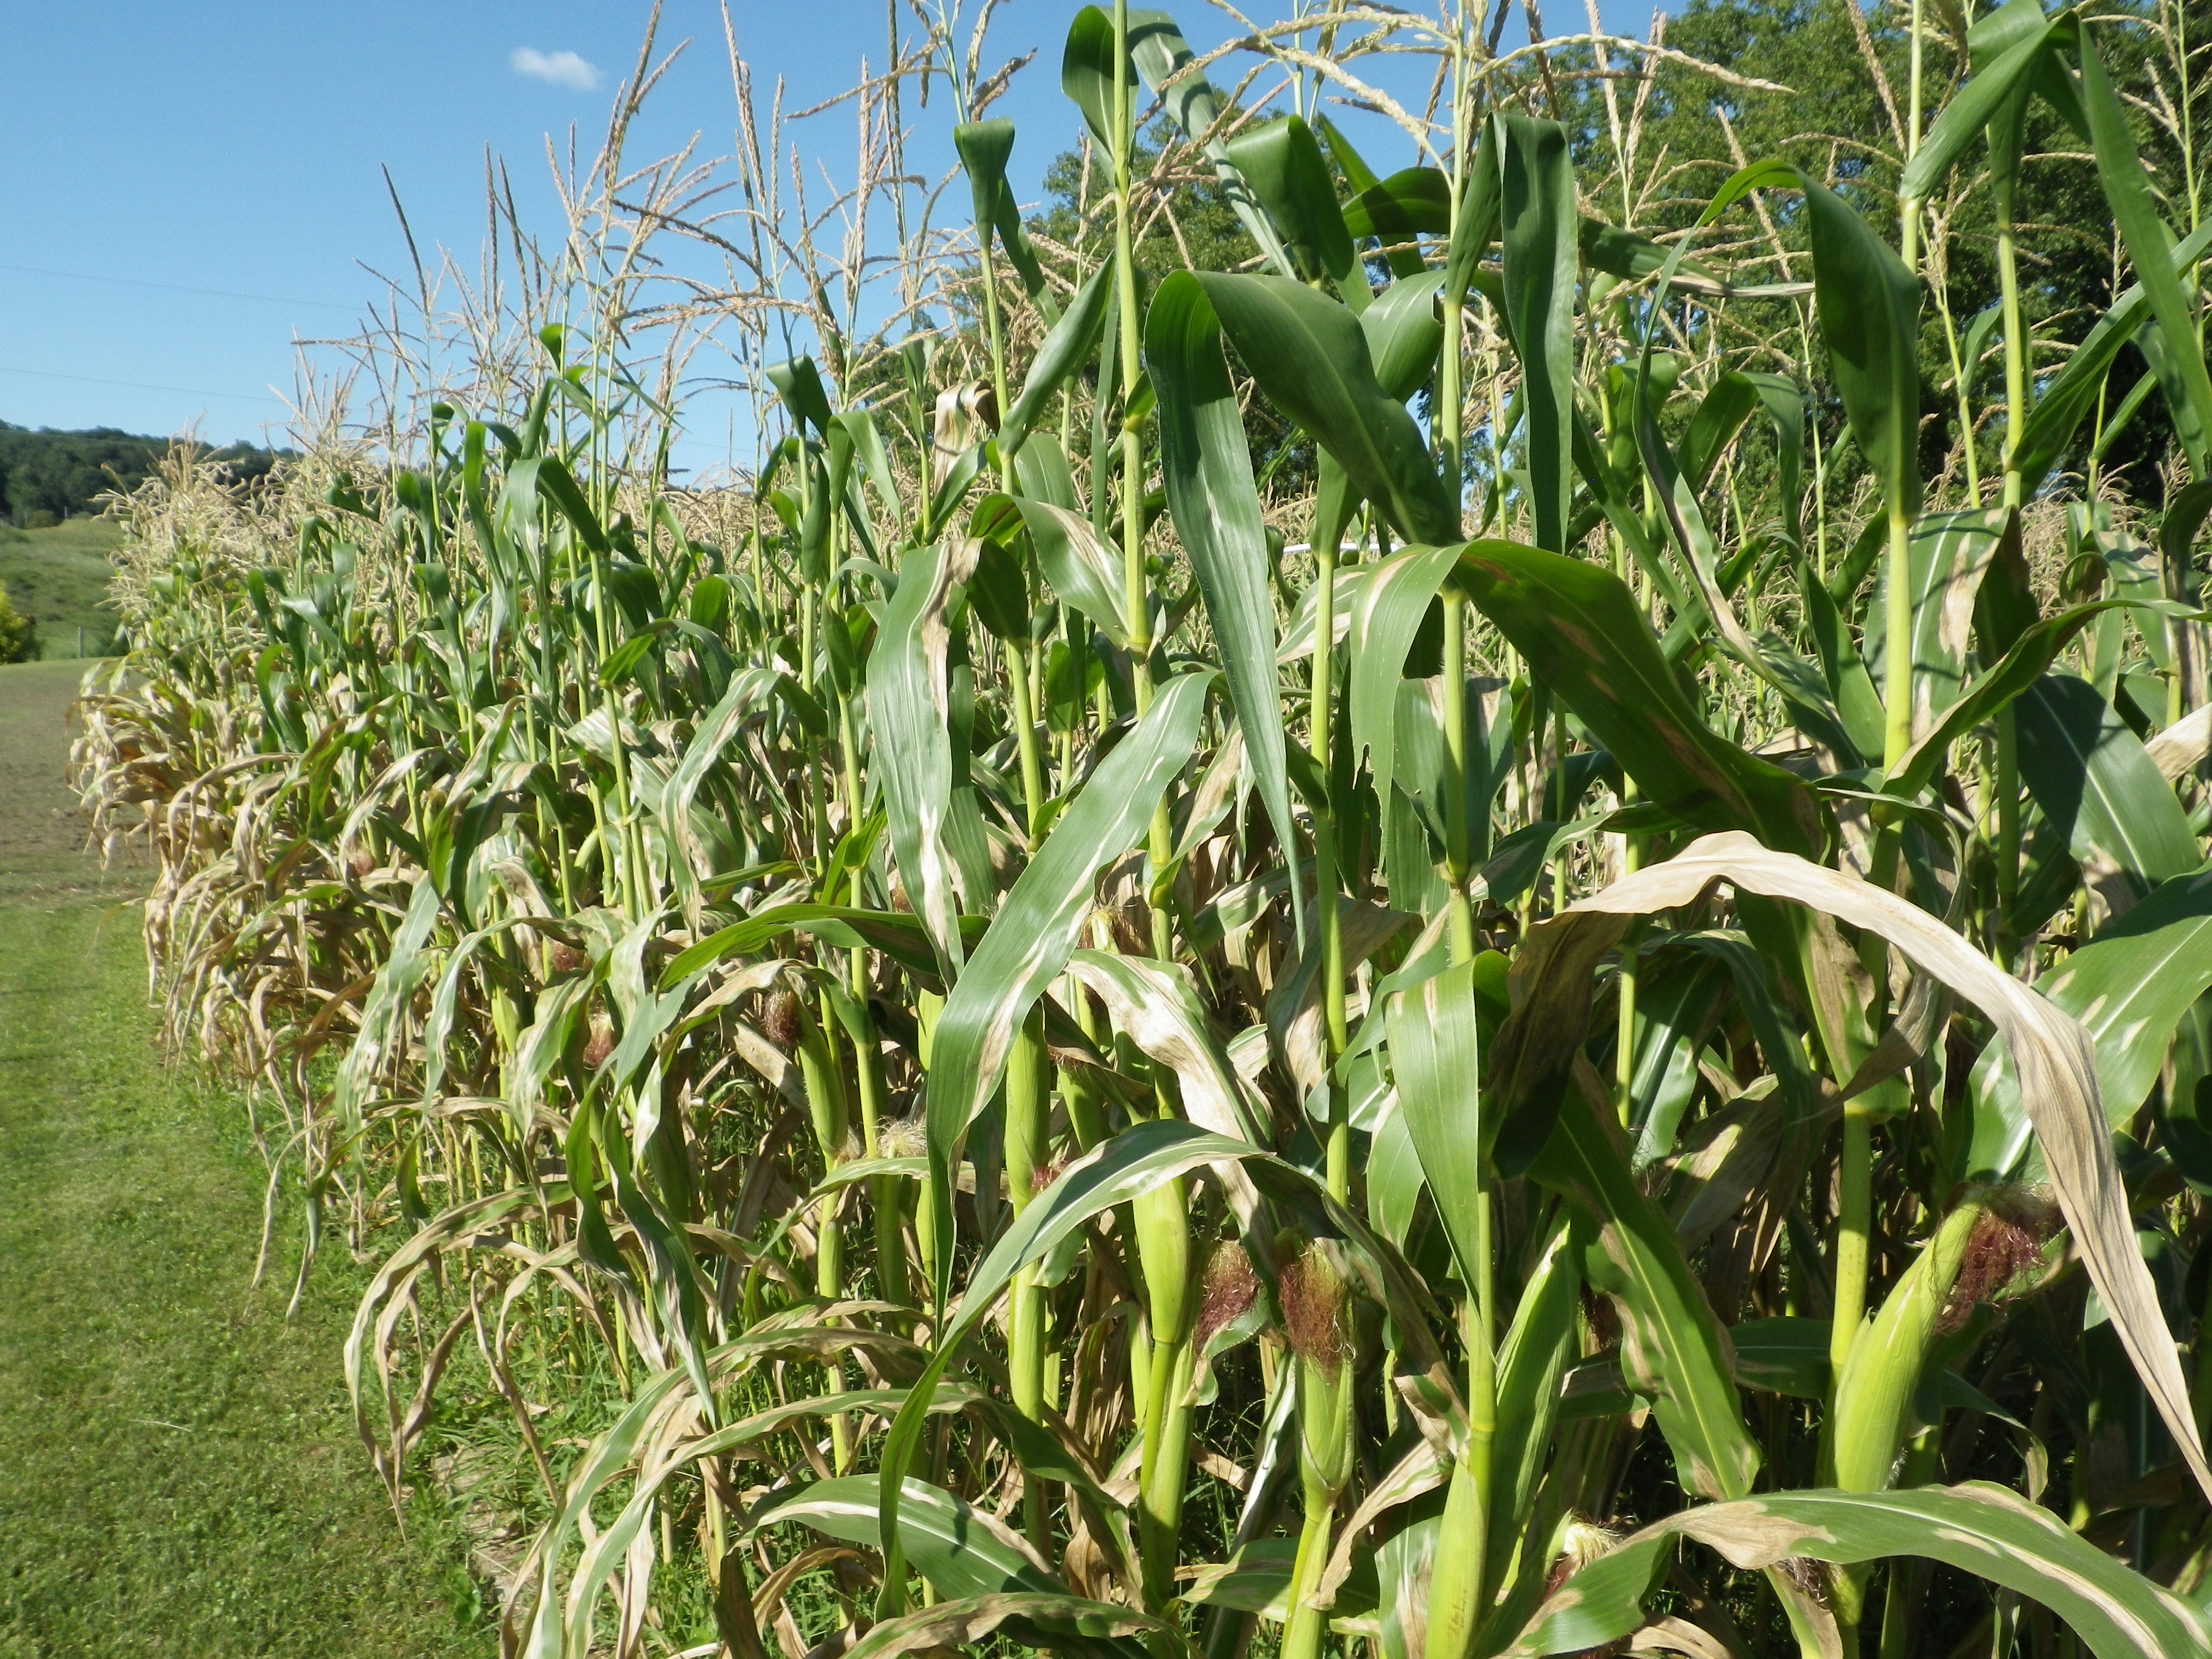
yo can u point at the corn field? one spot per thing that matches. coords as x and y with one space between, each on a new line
1490 937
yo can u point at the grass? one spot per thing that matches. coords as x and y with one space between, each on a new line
181 1476
59 577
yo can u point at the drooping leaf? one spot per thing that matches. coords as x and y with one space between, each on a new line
1154 1006
985 147
2057 1067
1979 1529
798 383
2130 988
1079 565
1161 55
1404 333
1386 610
383 1015
1948 554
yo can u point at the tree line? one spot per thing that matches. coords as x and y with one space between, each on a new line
47 476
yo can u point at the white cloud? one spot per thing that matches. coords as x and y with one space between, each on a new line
562 68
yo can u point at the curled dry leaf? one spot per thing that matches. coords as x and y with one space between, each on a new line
2056 1066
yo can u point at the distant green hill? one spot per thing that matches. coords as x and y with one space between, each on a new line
59 577
46 476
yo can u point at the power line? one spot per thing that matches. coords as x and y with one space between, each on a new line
144 385
179 287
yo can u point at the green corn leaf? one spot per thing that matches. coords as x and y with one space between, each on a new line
858 428
1869 313
1207 466
1531 1362
1394 1179
1154 1006
1067 346
1386 611
1997 33
2016 674
1673 1348
798 383
1949 553
961 1550
1436 1054
1404 333
899 936
2089 773
1311 359
1357 175
2130 988
1584 635
910 704
1398 210
1006 219
1851 687
1632 258
709 738
1969 113
1476 227
1024 1617
2181 371
1979 1529
1045 472
1720 415
1136 1161
1161 55
2074 389
604 1553
1679 995
998 592
1078 563
1086 73
1541 230
1038 923
1282 162
985 147
945 500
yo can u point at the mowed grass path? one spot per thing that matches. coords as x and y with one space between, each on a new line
178 1474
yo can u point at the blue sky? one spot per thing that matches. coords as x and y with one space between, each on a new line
189 190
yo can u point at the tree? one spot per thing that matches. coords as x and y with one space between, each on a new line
19 634
65 473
